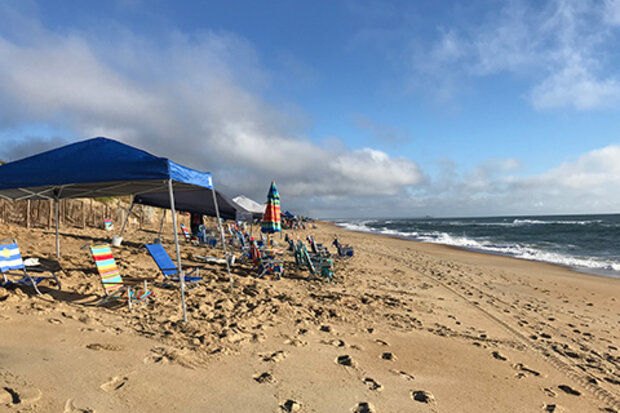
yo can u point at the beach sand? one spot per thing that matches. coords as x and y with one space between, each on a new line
405 327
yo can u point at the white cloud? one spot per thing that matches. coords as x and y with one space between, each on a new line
575 86
562 47
612 12
196 99
596 171
587 184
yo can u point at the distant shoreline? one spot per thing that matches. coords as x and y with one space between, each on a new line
610 274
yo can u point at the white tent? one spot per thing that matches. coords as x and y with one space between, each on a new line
254 207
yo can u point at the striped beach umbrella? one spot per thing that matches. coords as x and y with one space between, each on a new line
271 218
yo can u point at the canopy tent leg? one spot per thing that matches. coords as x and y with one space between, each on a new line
176 243
126 218
161 224
57 227
217 213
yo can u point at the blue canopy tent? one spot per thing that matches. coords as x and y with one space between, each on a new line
100 167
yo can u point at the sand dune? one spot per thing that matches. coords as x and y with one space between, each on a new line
404 327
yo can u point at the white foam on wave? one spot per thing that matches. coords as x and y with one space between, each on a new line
357 226
514 250
560 222
524 252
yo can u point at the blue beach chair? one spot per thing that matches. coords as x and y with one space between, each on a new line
11 263
344 251
169 269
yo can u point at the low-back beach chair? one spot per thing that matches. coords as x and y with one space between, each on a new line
317 265
114 285
264 264
108 225
186 234
344 251
11 263
168 268
206 238
317 249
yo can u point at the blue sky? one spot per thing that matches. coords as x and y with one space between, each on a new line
355 108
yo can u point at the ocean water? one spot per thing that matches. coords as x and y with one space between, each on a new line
586 243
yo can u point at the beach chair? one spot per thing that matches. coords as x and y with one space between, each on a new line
108 225
317 265
317 249
344 251
168 268
114 285
205 238
290 242
244 246
265 264
186 233
12 264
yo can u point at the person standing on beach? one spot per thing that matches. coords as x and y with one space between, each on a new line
195 222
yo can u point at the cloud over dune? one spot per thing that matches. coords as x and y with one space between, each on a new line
195 99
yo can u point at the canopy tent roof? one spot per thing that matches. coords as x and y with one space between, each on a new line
199 201
254 207
95 168
287 214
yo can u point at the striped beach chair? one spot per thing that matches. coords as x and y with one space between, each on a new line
108 225
264 264
12 264
114 285
186 234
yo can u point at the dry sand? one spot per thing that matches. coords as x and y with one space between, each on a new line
405 327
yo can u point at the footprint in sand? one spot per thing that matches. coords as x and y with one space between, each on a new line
364 407
498 356
334 342
388 356
275 356
524 371
549 392
569 390
553 408
423 396
290 406
382 342
373 384
115 383
70 408
325 329
265 377
107 347
403 374
9 396
22 396
345 360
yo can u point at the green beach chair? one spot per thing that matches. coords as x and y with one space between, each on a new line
317 265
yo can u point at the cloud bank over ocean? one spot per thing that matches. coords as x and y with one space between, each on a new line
203 98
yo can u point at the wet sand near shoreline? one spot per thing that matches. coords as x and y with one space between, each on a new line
405 327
